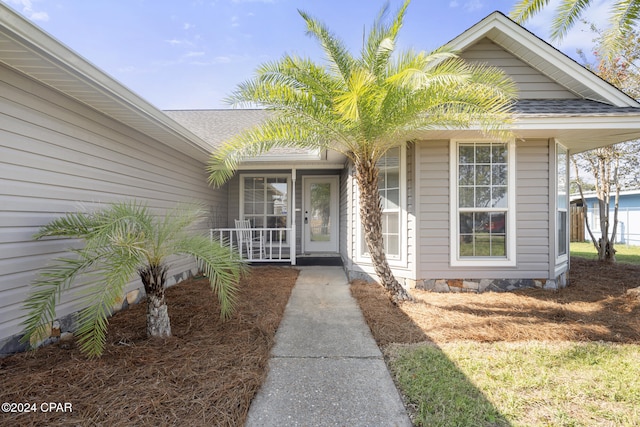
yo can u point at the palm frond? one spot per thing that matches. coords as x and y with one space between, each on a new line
525 9
291 82
279 131
221 265
381 41
624 16
412 70
172 227
567 13
48 288
93 320
76 224
340 60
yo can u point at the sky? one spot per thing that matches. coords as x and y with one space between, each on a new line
190 54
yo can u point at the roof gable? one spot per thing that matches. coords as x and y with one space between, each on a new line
542 57
531 83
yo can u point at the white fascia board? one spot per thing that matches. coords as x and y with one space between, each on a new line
279 165
578 122
311 155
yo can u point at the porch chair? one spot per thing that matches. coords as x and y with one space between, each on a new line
250 246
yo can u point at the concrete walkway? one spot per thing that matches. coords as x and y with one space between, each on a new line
325 369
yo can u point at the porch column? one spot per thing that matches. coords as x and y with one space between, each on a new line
292 246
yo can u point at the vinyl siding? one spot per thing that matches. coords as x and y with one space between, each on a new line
532 84
57 156
346 208
411 214
532 214
432 176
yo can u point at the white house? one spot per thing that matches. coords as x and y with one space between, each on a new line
460 211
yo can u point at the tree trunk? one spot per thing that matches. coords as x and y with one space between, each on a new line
153 278
371 217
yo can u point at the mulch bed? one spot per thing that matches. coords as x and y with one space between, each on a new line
208 372
205 374
594 307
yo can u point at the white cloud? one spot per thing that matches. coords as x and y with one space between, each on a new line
129 69
468 6
40 16
234 21
193 54
187 26
27 10
473 5
176 42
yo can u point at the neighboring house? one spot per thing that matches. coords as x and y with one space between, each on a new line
628 231
460 210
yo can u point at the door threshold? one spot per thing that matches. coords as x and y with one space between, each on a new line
325 259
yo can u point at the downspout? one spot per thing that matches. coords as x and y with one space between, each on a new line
292 247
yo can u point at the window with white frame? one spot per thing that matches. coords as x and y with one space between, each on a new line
482 203
390 185
562 168
265 200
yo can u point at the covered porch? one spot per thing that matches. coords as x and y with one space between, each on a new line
277 215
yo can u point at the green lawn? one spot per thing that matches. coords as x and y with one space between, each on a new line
520 384
624 253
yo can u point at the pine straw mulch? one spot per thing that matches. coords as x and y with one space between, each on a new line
594 307
206 374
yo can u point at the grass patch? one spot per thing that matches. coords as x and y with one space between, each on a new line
624 253
519 384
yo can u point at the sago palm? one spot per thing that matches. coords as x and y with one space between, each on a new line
362 107
623 16
119 241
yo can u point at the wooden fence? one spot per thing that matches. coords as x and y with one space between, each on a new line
577 224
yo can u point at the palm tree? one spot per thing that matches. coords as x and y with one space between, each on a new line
119 241
624 15
362 107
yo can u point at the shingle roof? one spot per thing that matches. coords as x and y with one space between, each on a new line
217 126
569 108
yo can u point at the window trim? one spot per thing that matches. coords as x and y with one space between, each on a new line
560 258
243 176
454 214
401 259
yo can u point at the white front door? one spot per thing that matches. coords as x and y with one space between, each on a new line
320 214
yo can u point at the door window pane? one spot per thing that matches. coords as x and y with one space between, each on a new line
562 199
266 202
320 215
